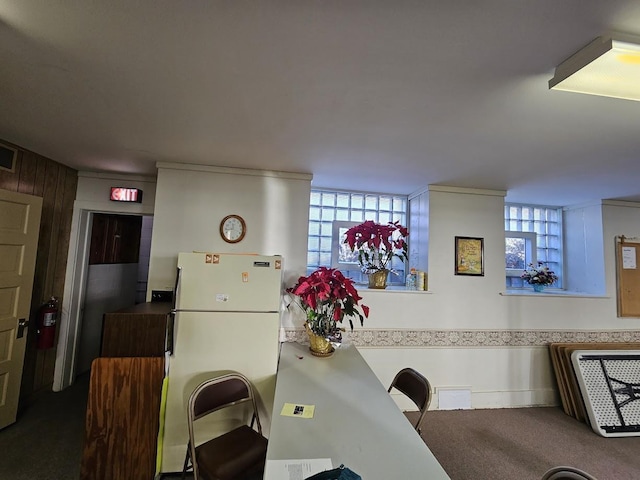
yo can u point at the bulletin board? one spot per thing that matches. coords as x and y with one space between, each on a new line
628 276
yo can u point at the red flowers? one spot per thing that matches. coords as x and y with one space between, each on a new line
377 244
327 297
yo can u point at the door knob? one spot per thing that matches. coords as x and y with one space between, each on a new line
22 324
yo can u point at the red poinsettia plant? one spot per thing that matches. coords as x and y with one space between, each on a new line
377 244
328 297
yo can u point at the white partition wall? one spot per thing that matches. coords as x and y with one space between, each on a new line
191 200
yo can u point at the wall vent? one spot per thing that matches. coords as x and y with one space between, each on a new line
454 398
8 157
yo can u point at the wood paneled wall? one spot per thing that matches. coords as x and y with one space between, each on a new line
56 184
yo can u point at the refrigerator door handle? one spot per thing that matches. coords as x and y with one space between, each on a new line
169 334
176 286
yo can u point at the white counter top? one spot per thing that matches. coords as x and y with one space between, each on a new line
355 422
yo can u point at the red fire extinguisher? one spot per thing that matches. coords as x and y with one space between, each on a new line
46 324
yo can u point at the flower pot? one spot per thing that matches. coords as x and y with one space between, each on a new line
378 279
318 345
537 287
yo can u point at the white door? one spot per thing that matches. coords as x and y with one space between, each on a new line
19 227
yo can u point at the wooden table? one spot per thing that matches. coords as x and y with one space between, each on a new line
356 422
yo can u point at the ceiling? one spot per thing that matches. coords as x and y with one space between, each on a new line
386 96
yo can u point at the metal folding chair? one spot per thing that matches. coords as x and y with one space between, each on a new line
566 473
238 453
415 386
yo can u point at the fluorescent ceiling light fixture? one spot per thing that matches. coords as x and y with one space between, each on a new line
605 67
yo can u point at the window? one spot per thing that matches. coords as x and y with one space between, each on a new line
331 213
342 257
520 251
532 233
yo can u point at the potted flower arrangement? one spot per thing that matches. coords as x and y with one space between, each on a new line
539 276
376 245
327 297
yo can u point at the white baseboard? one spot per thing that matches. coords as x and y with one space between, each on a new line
488 399
515 399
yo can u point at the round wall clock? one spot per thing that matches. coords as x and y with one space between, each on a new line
232 228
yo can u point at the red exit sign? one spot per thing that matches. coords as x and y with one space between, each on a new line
122 194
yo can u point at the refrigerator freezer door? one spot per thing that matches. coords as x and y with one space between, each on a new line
206 344
227 282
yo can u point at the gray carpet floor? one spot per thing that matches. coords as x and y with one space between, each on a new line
523 443
46 441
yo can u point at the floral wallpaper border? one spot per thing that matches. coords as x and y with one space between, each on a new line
408 338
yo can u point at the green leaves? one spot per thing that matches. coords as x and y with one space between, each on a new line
328 297
377 244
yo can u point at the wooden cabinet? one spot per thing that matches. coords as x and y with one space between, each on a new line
138 331
125 393
115 239
123 419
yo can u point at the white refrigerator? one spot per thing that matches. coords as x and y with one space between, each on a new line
226 317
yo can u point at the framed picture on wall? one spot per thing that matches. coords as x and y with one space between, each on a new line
469 256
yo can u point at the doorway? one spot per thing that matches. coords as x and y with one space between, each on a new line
116 276
105 276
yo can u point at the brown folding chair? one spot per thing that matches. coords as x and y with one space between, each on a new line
566 473
238 453
415 386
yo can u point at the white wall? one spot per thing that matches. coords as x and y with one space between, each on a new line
110 287
143 259
418 225
466 213
584 249
468 332
192 200
464 332
619 218
94 190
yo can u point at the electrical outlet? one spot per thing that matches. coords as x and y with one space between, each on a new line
161 295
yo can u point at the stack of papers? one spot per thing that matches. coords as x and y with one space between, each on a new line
295 469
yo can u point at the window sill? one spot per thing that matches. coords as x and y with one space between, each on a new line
390 288
550 293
